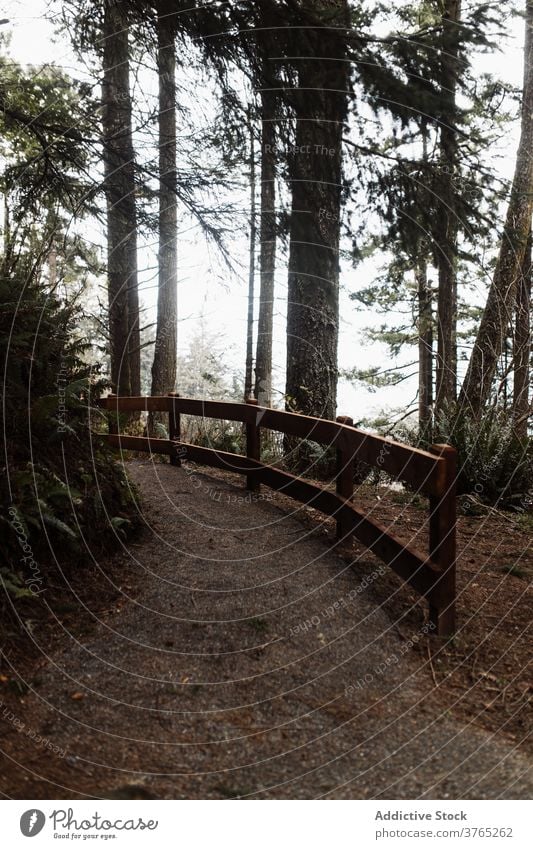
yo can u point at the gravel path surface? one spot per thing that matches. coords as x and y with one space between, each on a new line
249 660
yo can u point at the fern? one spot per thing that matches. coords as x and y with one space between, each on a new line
13 584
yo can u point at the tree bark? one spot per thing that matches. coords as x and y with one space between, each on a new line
446 233
164 366
115 90
501 300
315 173
52 267
522 347
119 184
265 324
425 348
134 331
248 381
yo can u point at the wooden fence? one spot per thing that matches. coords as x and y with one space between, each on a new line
431 473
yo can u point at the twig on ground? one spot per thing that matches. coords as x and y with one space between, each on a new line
433 675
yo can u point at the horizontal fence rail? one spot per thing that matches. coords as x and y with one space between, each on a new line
432 472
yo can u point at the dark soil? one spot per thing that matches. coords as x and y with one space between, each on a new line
233 651
485 673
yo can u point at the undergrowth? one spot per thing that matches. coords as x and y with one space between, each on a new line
62 493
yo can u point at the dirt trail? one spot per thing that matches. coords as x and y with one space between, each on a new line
245 659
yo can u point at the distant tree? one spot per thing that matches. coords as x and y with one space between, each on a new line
203 368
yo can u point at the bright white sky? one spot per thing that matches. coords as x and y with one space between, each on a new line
224 307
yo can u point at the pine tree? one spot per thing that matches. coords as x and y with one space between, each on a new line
44 182
431 193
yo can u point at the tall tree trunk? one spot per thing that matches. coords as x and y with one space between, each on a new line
315 172
522 347
425 348
119 181
52 267
7 225
446 234
248 380
165 355
7 247
265 324
501 300
134 331
115 92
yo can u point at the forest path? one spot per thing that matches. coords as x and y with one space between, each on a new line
249 660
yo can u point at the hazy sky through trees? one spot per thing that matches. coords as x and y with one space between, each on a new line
200 270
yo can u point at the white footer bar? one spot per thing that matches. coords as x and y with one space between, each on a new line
268 824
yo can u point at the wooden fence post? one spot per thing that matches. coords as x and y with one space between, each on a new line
174 428
442 545
253 449
344 479
111 405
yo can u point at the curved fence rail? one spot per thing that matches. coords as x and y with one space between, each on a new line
432 473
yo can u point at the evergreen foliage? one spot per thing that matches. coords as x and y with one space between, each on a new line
60 483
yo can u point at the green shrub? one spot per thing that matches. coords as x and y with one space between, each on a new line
493 463
61 489
309 459
218 434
